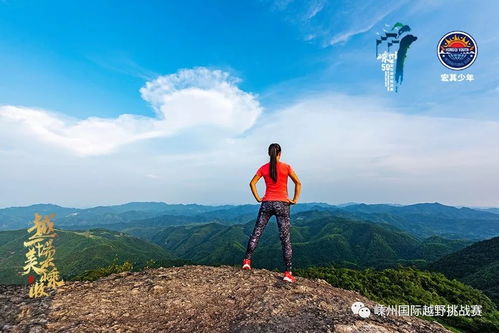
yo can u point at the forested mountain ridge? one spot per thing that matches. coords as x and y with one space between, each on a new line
476 265
78 251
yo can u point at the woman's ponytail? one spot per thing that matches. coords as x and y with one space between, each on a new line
274 150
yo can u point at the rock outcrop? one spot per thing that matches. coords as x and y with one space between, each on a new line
197 299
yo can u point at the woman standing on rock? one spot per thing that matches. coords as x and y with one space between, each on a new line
274 202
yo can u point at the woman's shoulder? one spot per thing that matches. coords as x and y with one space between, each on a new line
264 166
284 164
287 167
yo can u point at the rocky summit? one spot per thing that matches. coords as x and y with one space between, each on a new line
197 298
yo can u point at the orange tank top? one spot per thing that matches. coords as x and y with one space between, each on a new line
275 191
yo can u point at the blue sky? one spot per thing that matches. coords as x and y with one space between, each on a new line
106 50
118 101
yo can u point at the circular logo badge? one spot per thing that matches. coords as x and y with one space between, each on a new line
457 50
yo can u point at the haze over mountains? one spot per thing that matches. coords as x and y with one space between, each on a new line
422 220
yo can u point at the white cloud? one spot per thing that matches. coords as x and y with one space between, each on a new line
369 19
315 8
344 148
346 35
347 148
335 22
188 99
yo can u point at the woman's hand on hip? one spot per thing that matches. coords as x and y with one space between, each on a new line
293 202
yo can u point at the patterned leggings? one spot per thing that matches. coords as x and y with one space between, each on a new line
281 209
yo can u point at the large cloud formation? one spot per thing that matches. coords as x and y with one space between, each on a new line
344 148
189 98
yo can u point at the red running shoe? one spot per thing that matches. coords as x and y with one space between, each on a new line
246 263
288 277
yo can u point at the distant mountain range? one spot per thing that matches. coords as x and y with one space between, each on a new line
20 217
490 210
421 220
428 219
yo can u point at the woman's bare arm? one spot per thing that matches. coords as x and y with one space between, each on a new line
297 182
253 187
